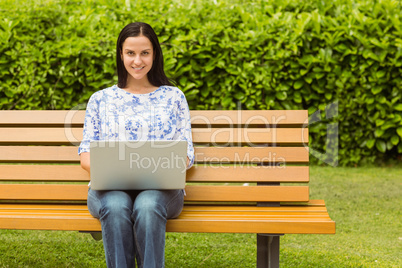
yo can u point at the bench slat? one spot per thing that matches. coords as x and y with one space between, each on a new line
39 154
43 118
194 193
311 219
75 117
276 226
249 117
223 215
252 154
247 193
251 136
45 173
45 192
212 225
40 135
196 174
310 206
212 135
202 154
248 174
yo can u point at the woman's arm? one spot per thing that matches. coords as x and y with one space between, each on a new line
91 129
183 128
85 163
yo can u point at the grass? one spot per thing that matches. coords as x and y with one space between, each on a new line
364 202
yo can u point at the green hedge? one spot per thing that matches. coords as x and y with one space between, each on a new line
341 60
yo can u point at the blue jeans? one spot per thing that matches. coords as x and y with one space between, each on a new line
134 224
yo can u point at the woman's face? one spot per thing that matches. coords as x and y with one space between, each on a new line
137 56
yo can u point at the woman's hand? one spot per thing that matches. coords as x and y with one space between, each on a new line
85 162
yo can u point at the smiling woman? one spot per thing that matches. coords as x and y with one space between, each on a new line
144 105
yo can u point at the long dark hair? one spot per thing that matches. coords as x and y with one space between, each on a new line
156 76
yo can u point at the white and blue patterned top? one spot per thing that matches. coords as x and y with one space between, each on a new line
114 114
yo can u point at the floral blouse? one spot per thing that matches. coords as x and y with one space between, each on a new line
114 114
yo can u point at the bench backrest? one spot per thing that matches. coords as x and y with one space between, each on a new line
241 156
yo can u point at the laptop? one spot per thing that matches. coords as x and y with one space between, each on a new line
138 165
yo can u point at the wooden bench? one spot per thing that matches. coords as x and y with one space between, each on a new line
245 161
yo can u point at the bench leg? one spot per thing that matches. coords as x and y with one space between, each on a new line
267 251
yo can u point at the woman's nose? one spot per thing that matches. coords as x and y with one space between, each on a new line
137 60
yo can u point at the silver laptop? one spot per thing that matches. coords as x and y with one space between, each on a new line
138 165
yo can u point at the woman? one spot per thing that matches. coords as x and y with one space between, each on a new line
144 105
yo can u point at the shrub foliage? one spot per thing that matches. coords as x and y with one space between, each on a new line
339 59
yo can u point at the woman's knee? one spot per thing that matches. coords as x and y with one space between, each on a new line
116 203
148 205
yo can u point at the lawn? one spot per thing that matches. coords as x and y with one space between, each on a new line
364 202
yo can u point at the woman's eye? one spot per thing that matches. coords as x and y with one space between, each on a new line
145 53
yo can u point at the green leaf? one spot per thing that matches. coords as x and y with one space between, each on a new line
370 143
239 95
297 97
379 122
250 103
387 125
308 79
379 132
381 146
399 131
389 145
370 100
298 84
303 71
398 107
210 67
227 101
319 75
375 90
281 95
380 74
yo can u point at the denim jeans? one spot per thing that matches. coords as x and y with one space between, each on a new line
134 224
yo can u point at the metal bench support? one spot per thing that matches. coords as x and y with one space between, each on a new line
267 251
268 244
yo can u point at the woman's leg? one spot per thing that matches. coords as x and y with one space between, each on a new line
114 210
152 208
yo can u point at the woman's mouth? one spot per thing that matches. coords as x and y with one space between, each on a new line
139 68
